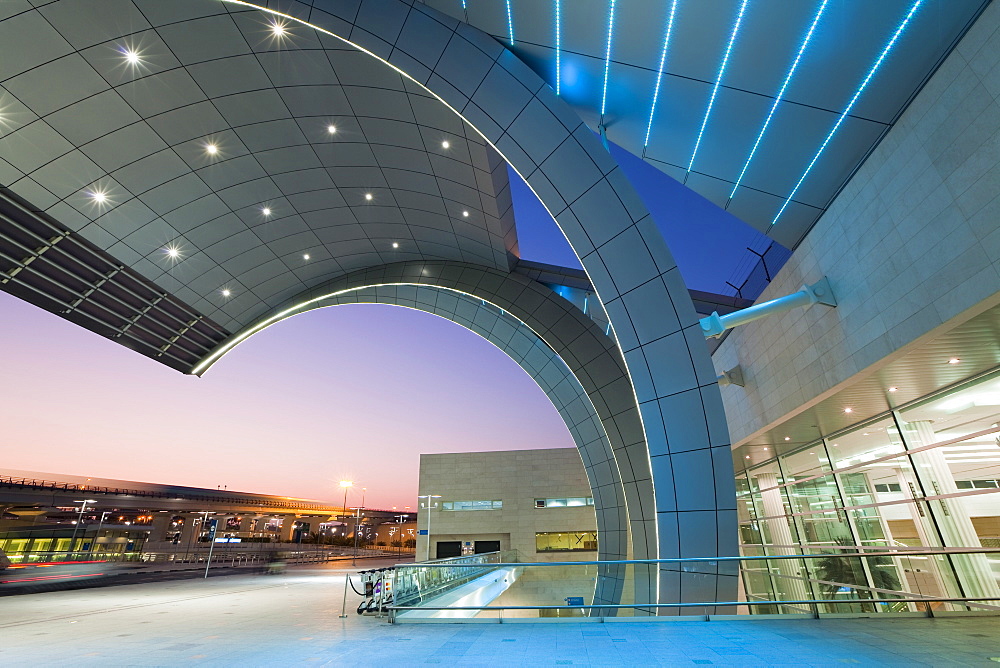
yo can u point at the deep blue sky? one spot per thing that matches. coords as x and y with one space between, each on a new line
706 241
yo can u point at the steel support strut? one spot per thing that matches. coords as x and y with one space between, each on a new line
817 293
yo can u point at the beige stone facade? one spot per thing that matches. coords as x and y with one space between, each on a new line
517 478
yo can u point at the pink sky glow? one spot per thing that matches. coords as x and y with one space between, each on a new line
351 392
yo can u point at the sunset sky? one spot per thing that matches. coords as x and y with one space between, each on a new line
353 392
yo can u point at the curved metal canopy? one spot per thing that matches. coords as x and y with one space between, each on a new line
698 87
234 160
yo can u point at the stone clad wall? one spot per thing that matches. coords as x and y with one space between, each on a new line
912 242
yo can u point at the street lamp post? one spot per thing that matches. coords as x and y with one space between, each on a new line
100 525
428 505
83 506
346 484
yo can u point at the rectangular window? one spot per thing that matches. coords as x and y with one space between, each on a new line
472 505
565 503
566 541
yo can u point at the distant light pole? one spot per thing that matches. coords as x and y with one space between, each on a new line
83 506
427 505
100 525
357 522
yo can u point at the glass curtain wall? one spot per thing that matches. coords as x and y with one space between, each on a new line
927 475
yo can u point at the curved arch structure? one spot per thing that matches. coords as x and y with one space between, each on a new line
566 353
621 249
174 200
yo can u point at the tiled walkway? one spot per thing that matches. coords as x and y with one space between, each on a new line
294 619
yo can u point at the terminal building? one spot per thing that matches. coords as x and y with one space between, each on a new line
245 163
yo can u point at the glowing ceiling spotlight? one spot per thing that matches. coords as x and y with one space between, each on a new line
98 196
510 24
131 56
266 211
781 93
278 29
172 252
331 129
465 214
718 81
212 148
850 105
368 197
607 59
659 72
306 256
226 292
445 144
558 47
395 245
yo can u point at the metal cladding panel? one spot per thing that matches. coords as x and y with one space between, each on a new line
609 70
199 153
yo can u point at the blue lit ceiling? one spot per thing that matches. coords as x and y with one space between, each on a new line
765 107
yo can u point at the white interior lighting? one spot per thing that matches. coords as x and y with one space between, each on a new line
266 211
226 293
172 252
99 197
893 389
131 56
465 214
395 245
848 410
788 438
954 360
331 129
211 149
368 197
278 29
306 256
445 144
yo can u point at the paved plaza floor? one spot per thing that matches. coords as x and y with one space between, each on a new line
293 619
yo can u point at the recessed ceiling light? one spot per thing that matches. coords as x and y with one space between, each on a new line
266 211
893 389
99 197
954 360
211 149
226 293
866 434
465 214
765 449
368 196
331 129
306 256
173 252
848 410
836 445
278 29
131 56
445 144
747 457
395 245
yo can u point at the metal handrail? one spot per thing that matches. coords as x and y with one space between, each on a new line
890 553
703 604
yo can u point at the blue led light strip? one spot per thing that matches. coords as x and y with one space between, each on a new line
850 105
718 80
558 47
781 93
510 24
659 72
607 57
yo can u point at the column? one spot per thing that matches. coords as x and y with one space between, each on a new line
287 528
781 535
950 515
160 526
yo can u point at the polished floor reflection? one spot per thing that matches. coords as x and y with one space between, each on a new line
294 619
